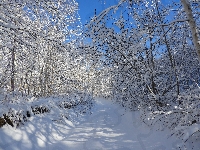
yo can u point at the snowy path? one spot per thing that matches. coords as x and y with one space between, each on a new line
108 128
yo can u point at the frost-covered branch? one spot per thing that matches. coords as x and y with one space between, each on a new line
174 21
98 18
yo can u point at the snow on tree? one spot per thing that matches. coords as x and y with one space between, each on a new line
152 58
193 26
37 40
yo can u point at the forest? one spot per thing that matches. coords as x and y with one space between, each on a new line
142 55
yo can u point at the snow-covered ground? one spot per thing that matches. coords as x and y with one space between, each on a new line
109 127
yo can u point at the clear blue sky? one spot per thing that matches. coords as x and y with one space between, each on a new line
87 7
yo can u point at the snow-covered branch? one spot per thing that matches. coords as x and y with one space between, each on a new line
174 21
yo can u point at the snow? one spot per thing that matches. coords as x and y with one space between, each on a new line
109 127
9 25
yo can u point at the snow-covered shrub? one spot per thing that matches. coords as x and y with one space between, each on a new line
183 120
189 122
18 109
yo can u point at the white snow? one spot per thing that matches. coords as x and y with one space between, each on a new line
109 127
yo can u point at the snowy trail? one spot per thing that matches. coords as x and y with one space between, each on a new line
108 128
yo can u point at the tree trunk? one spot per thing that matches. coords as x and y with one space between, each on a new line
192 24
13 70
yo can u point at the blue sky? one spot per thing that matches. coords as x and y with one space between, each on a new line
87 7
